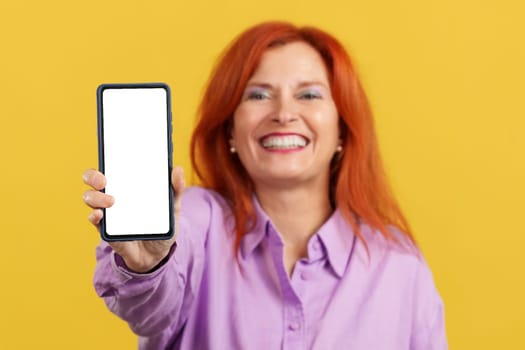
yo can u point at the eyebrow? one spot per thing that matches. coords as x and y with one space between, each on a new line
301 84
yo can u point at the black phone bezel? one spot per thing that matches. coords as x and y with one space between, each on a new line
101 165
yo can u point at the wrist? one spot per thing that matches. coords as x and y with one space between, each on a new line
144 268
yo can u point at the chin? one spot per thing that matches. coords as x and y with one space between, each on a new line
282 178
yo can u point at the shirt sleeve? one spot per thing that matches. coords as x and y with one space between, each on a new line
437 339
156 304
429 331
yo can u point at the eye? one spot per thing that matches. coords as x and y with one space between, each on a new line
258 94
310 95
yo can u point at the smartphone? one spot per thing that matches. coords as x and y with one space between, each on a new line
135 155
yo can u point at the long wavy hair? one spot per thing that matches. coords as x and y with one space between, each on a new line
358 185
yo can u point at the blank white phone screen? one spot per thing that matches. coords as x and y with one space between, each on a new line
135 122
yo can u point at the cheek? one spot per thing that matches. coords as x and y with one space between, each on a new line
239 124
326 123
240 131
245 122
332 122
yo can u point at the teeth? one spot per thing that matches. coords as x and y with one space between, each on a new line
284 142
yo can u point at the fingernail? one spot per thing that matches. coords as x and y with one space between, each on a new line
85 197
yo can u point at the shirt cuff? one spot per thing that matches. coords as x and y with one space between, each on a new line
119 266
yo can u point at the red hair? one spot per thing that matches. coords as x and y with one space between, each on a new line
358 185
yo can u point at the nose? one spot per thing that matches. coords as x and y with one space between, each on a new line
285 111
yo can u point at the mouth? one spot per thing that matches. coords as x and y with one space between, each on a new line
283 142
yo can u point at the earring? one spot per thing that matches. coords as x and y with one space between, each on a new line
232 147
339 149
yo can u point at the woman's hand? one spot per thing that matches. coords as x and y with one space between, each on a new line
139 256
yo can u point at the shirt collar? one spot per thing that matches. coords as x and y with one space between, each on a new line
253 238
338 239
336 236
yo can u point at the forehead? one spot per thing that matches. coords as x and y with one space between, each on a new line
292 61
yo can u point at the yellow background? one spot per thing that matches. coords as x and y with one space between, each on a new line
447 85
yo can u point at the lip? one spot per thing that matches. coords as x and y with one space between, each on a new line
283 150
284 134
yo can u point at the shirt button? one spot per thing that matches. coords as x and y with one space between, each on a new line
316 246
293 326
304 276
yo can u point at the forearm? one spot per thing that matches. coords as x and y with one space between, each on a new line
150 303
158 303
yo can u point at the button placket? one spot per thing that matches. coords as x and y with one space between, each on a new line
294 337
294 326
315 249
304 275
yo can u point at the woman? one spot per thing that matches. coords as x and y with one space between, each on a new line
294 241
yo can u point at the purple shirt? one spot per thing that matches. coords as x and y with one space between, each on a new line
338 298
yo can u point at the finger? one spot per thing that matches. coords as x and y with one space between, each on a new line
177 179
95 216
94 178
178 183
96 199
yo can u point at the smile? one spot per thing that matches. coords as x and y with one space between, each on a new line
283 142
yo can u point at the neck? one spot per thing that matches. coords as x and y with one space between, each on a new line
296 212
